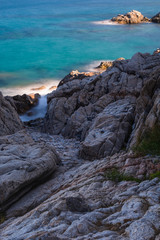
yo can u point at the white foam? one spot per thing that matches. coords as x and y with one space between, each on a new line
105 22
92 67
20 90
38 111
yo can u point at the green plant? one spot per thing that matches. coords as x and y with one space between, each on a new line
154 175
113 174
150 143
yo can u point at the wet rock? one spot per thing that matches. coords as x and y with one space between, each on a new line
23 103
132 17
9 119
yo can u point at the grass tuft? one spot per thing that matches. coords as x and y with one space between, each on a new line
150 143
114 175
154 175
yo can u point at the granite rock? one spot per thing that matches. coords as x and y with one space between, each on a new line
74 107
132 17
23 164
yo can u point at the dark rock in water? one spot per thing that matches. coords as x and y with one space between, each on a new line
156 18
23 103
132 17
77 204
9 119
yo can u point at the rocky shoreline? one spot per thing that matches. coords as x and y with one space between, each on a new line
90 169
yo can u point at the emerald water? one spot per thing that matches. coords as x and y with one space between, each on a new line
43 40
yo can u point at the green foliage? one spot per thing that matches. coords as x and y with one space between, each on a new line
114 175
2 217
150 143
154 175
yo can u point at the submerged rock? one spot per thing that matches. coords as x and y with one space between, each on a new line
132 17
9 119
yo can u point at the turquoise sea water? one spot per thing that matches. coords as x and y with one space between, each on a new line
46 39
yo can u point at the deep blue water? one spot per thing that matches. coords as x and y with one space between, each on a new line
46 39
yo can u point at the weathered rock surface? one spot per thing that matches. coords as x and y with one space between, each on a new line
132 17
23 164
156 18
83 204
78 107
9 119
23 103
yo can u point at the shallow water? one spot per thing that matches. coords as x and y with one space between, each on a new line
46 39
38 111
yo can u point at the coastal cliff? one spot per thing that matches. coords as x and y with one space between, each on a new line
109 111
92 171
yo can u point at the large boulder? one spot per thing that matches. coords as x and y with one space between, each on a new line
23 164
132 17
9 119
109 131
156 18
